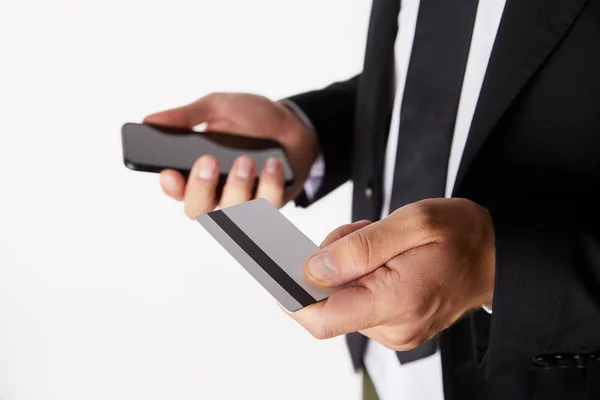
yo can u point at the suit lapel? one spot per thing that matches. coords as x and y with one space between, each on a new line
528 32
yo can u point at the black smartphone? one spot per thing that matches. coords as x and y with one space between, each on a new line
153 148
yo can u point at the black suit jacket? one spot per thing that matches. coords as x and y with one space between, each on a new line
533 159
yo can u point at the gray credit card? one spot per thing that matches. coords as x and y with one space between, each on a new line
270 248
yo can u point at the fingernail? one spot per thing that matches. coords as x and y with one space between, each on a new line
168 182
322 266
207 168
272 165
243 168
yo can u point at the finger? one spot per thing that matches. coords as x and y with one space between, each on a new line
365 249
240 182
173 184
378 299
396 340
200 192
376 335
270 184
401 337
188 116
343 231
348 310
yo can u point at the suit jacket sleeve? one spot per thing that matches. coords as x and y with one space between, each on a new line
331 111
547 289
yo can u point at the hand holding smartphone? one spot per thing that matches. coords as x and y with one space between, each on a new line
227 161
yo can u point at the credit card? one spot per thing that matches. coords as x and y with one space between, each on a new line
267 245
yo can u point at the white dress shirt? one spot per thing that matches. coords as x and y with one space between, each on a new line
422 379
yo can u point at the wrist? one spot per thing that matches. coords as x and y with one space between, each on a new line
301 143
302 132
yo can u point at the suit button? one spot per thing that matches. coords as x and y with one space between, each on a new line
562 360
542 361
368 193
581 360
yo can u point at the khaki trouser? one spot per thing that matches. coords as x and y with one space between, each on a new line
369 392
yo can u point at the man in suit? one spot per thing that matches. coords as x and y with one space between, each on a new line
472 137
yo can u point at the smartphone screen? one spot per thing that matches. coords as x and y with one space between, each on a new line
154 148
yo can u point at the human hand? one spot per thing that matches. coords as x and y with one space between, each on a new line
244 114
415 273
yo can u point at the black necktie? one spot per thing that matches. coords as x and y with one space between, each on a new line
429 107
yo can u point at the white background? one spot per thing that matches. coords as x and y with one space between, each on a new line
106 290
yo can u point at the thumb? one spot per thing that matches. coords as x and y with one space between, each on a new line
186 116
353 256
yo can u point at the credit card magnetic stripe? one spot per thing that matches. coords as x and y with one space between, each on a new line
261 258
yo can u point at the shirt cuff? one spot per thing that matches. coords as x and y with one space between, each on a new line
315 178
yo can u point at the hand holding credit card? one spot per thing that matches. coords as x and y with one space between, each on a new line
270 248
